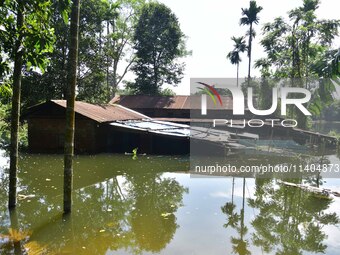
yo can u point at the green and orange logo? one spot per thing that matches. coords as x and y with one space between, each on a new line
211 91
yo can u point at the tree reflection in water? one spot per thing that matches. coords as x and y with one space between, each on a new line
288 220
236 221
155 201
135 213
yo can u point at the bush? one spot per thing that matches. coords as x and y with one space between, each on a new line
5 129
4 126
334 133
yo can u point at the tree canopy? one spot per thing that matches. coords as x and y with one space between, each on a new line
105 52
159 43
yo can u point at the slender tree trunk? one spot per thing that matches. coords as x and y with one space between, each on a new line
15 226
232 191
15 114
63 80
115 61
114 77
293 55
70 121
243 192
249 51
242 211
107 62
238 65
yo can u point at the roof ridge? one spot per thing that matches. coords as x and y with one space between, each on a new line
128 109
102 112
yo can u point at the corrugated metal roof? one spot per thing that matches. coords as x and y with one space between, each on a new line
103 113
154 126
169 102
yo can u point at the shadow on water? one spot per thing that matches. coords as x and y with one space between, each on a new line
119 203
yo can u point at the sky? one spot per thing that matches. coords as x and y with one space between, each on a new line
209 25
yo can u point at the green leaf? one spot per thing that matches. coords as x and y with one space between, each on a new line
64 15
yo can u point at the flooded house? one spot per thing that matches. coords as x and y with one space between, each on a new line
179 108
156 106
119 129
103 128
187 110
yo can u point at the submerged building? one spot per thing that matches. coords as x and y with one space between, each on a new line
179 109
103 128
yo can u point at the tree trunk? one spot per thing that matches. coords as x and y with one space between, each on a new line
243 192
114 78
15 114
238 65
232 191
242 210
70 121
107 62
249 51
114 61
63 80
13 216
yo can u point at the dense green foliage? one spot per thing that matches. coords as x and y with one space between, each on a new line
5 129
26 36
4 126
25 41
107 50
300 50
295 47
159 43
36 34
298 53
105 53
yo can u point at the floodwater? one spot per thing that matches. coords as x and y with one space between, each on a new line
151 205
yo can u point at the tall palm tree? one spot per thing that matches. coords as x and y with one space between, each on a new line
234 55
70 115
250 17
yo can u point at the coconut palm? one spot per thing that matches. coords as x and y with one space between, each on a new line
234 55
250 17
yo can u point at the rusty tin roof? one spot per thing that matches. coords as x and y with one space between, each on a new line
168 102
103 113
96 112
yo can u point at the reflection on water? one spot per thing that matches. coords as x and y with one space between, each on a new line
151 206
131 208
286 220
